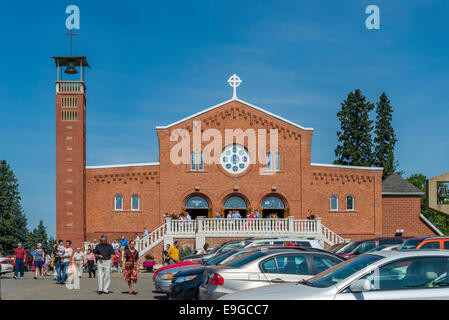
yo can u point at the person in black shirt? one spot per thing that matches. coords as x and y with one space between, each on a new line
104 252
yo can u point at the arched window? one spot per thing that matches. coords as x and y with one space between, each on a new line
350 202
273 203
118 203
334 203
197 203
235 203
135 202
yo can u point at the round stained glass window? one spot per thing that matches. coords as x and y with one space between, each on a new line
235 158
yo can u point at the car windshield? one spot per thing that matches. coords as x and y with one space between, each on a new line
217 248
410 244
376 249
232 246
244 259
341 271
350 247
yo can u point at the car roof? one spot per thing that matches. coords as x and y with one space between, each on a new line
436 237
412 253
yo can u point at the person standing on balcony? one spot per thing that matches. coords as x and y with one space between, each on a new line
229 216
257 215
104 252
137 237
173 253
218 215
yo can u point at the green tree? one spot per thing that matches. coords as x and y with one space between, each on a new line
39 235
19 225
9 199
385 139
441 221
355 143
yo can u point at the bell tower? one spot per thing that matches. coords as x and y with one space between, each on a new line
71 150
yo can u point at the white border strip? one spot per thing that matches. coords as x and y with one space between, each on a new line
399 193
431 225
225 102
344 167
124 165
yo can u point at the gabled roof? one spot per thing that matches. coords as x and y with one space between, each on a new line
225 102
396 185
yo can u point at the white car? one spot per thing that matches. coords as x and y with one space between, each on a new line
5 265
384 275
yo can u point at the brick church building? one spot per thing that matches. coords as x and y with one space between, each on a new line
122 199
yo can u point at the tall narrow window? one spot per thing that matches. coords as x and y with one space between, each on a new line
276 161
192 161
135 202
349 203
200 164
334 203
269 160
118 203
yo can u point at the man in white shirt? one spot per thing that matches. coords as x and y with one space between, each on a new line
145 232
229 216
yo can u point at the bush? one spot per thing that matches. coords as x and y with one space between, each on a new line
185 251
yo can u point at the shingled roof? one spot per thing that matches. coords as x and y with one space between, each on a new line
396 185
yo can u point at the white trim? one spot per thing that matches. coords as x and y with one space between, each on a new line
225 102
138 202
334 195
402 193
115 202
344 167
353 202
430 224
124 165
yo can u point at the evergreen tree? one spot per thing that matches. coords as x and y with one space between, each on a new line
19 225
39 235
385 138
9 199
441 221
355 136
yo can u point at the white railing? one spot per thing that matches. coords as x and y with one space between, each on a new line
69 86
239 226
331 236
183 226
151 240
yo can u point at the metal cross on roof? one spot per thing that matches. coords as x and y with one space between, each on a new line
234 81
71 35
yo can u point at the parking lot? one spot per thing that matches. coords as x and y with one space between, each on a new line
47 289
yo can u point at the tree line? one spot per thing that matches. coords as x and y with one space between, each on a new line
364 143
13 220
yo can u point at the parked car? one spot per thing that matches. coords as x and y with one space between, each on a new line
225 246
162 281
265 267
304 242
441 242
185 284
384 247
360 247
174 265
412 243
334 248
385 275
5 265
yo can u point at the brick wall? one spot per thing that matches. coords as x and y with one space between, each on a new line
402 212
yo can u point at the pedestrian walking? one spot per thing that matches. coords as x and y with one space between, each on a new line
20 256
131 266
66 256
104 252
38 260
165 256
79 260
91 263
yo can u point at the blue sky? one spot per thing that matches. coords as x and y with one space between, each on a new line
154 63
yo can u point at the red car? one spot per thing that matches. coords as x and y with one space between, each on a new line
174 265
28 259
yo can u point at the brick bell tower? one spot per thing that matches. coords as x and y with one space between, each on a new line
71 150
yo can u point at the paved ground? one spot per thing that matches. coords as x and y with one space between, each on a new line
47 289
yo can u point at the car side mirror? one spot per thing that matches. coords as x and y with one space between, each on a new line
360 285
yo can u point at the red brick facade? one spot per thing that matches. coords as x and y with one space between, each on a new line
164 187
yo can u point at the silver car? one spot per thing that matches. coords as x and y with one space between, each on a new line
162 281
264 267
384 275
5 265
